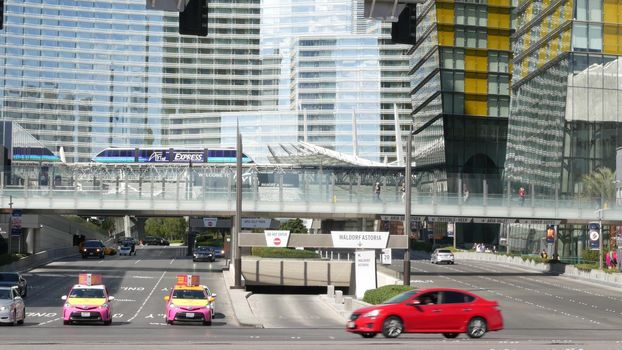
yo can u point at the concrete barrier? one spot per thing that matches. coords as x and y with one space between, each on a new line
559 269
39 259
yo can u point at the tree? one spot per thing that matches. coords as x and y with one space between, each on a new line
600 185
294 226
171 228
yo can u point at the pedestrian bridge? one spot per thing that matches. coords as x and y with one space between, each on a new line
306 193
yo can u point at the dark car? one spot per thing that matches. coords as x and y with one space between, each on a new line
93 248
10 279
150 240
219 252
202 253
435 310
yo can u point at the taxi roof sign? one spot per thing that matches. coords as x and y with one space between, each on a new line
188 280
89 279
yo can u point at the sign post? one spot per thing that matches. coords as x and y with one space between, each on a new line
386 256
365 272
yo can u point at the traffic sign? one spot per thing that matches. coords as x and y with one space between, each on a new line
277 241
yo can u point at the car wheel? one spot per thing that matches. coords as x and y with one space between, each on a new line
450 335
368 335
23 317
392 327
207 323
477 328
169 322
66 322
452 263
107 323
83 256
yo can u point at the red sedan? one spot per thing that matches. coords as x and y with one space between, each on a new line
434 310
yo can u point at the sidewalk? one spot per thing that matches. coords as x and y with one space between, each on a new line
239 302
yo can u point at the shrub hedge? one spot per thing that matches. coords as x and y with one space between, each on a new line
378 295
8 258
273 252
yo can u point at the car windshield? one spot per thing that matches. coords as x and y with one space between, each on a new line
400 297
9 277
188 294
87 293
444 251
93 244
5 294
203 249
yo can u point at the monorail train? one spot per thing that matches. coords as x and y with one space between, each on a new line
169 155
37 154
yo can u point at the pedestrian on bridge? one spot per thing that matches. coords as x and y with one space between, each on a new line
521 195
377 191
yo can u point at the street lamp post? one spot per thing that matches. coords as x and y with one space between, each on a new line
408 199
235 241
600 236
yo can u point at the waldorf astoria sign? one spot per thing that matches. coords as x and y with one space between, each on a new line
360 239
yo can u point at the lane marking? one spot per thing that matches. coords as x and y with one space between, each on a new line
50 321
101 261
143 277
137 261
148 296
172 261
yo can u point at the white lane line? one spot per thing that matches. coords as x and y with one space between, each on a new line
172 261
148 296
101 261
137 261
50 321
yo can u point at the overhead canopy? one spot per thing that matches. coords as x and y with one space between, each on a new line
167 5
387 10
303 153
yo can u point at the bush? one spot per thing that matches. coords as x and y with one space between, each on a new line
421 245
587 267
378 295
590 256
8 258
272 252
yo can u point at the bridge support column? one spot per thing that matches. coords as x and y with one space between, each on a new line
140 227
127 226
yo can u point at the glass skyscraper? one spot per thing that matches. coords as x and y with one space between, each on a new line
566 111
85 75
460 93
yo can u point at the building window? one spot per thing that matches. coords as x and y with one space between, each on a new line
452 58
498 106
498 84
587 37
498 62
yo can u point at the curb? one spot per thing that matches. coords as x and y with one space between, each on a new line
239 302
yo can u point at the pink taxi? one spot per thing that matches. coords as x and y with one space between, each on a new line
189 302
87 301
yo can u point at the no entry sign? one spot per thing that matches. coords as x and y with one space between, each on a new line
276 238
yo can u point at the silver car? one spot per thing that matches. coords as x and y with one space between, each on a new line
12 308
442 255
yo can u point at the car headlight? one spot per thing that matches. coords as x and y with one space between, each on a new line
3 308
373 313
104 306
67 305
222 251
171 305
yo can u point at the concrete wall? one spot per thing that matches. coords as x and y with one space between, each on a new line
296 272
313 273
47 232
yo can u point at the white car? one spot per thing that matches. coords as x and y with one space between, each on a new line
12 308
212 305
442 255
